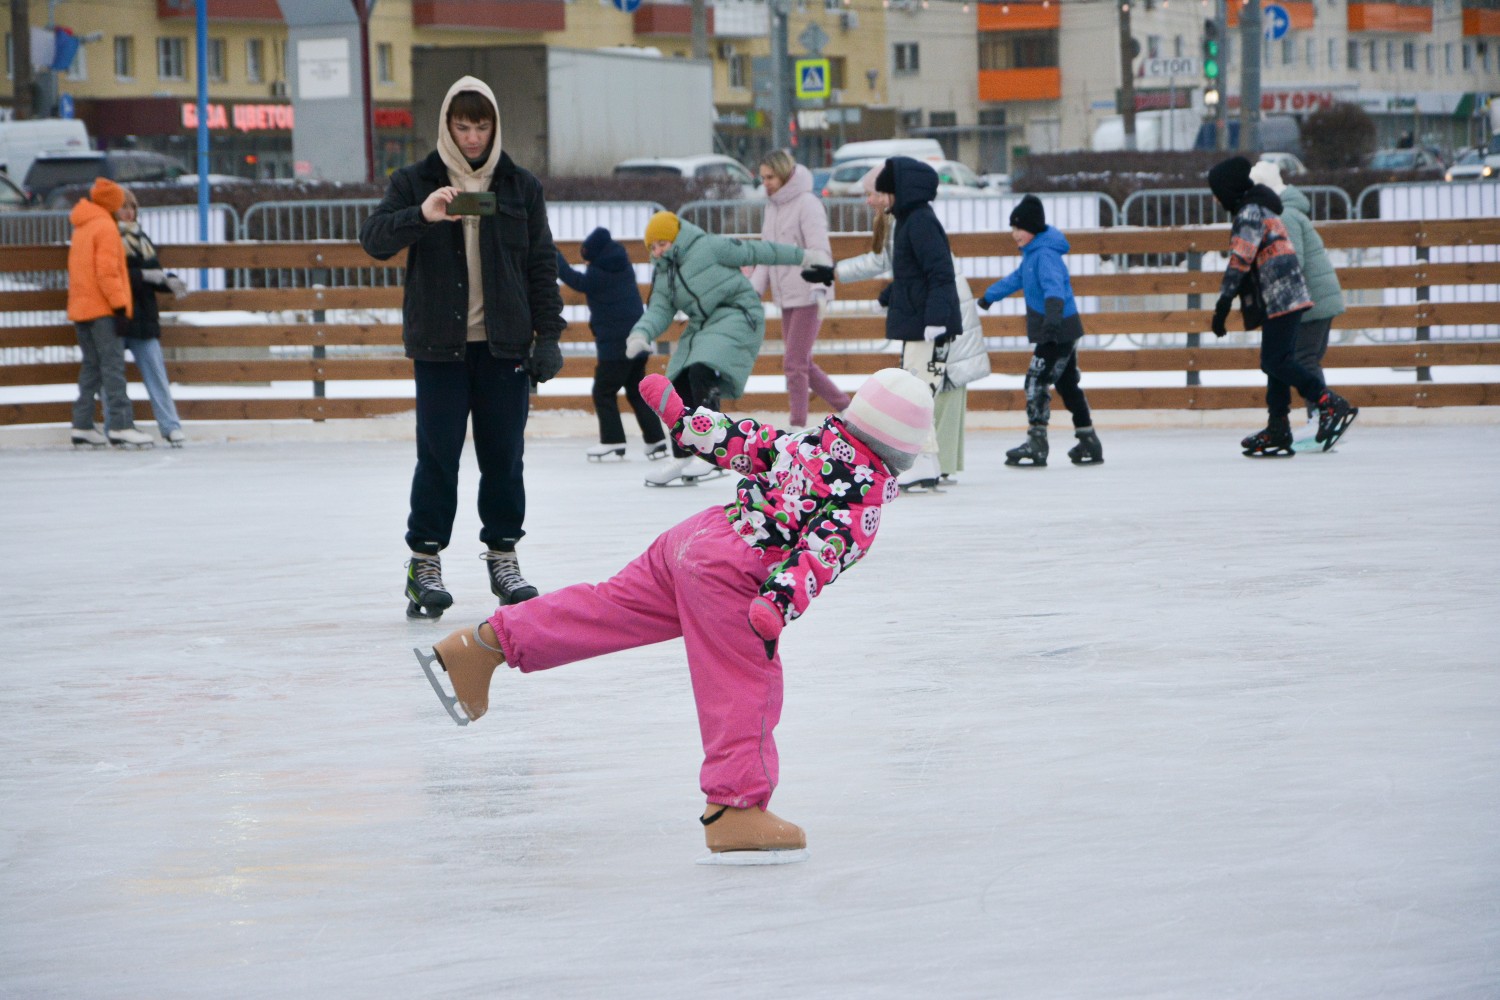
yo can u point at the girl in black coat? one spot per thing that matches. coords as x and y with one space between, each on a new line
614 301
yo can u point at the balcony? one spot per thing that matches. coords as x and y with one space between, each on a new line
1395 18
1043 83
490 15
667 19
1019 16
266 11
1481 21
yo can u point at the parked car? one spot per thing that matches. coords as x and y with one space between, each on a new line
1404 159
726 171
128 166
883 149
820 180
1288 163
954 179
996 183
1470 166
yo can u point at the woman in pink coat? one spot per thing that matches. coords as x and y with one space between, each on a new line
794 215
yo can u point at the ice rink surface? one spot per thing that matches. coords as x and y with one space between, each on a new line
1185 725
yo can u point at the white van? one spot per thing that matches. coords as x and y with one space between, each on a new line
884 149
23 141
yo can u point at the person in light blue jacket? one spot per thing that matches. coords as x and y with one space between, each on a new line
1053 325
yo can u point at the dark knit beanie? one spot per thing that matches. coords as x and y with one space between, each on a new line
885 182
595 243
1029 215
1230 182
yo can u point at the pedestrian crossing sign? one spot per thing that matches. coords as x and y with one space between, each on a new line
813 78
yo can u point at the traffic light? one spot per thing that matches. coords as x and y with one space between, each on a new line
1211 61
1211 51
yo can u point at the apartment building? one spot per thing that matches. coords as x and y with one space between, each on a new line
135 83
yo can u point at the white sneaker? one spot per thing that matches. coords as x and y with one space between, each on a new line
176 437
89 436
131 436
657 450
671 473
599 452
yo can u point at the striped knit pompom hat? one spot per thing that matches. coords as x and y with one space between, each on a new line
892 413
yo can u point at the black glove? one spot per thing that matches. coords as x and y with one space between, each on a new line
818 274
122 323
942 340
1221 313
545 362
885 297
985 303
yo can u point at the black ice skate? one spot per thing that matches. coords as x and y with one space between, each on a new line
1334 417
426 597
506 581
1088 450
1273 442
1033 452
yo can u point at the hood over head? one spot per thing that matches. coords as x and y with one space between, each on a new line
107 195
595 243
453 157
1230 182
799 183
910 181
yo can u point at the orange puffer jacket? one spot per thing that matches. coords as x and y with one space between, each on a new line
97 281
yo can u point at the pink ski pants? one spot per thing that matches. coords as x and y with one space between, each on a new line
799 331
695 581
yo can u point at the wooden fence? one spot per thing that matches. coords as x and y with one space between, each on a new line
1419 352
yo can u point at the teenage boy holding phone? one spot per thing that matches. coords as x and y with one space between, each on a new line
481 320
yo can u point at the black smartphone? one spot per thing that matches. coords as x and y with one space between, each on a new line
472 203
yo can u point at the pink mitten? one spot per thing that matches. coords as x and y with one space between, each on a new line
766 620
660 396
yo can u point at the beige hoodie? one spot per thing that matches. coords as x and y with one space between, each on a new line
467 178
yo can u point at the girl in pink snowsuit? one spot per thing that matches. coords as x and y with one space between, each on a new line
727 580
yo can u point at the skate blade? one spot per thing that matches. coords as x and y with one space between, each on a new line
611 454
1338 431
706 476
748 858
922 486
1288 453
673 484
449 702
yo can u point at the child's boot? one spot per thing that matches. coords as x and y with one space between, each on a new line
1273 442
1334 417
1033 452
1088 450
469 657
751 836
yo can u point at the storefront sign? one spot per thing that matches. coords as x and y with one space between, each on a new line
1299 100
393 118
245 117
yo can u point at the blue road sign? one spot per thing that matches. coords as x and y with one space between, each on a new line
1278 21
628 6
65 106
813 78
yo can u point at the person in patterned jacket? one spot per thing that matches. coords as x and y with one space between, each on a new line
727 581
1264 272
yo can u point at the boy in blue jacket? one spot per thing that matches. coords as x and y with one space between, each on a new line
1052 324
614 306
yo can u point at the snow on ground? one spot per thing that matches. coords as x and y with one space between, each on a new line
1184 725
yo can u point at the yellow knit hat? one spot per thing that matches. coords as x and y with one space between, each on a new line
663 226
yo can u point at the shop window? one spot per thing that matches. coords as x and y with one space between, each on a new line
255 60
384 57
171 58
218 60
908 57
124 57
911 119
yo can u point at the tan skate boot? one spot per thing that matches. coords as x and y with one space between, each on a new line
470 656
752 831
